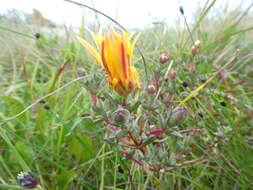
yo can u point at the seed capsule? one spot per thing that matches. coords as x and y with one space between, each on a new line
47 107
164 57
181 9
121 115
185 84
223 104
37 35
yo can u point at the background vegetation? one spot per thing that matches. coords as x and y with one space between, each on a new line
65 149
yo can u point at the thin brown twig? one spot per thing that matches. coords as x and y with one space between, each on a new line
188 162
229 164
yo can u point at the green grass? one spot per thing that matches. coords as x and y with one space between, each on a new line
65 149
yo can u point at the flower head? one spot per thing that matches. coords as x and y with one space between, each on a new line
115 56
27 180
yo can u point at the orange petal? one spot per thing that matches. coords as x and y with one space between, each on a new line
133 44
123 60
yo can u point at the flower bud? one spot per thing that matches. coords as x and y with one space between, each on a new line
151 89
27 180
197 44
121 115
181 9
172 74
81 71
194 50
164 57
178 114
195 47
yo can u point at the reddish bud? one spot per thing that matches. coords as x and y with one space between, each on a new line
194 50
164 58
172 73
121 115
156 131
151 89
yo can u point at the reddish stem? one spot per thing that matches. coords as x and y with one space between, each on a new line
131 157
240 82
132 138
94 99
125 141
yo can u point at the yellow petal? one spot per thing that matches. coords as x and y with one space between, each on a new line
133 44
98 39
135 76
91 50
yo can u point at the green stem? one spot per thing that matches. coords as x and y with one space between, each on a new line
102 170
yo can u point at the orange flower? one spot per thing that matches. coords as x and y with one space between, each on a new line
115 57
